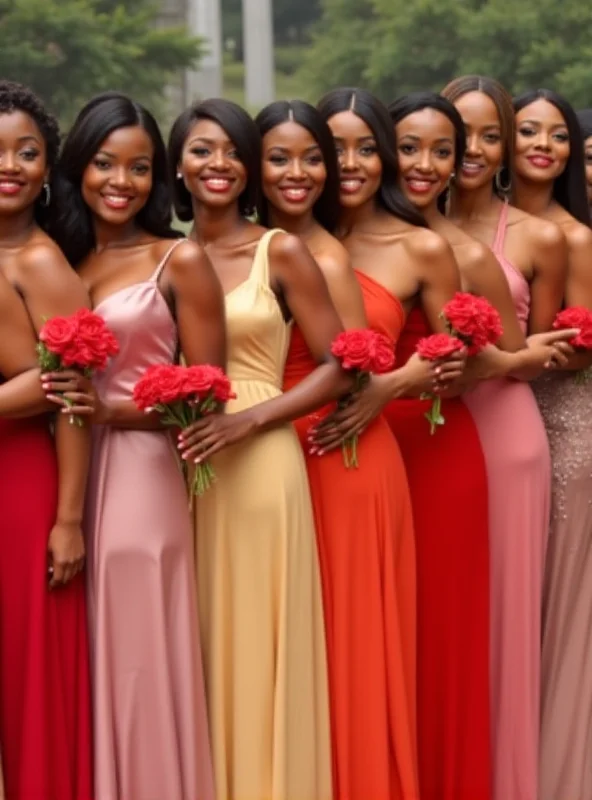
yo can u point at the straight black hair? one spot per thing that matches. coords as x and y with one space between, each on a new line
240 129
569 189
71 221
585 120
326 209
375 115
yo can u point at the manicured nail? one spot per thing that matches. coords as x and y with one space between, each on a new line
312 451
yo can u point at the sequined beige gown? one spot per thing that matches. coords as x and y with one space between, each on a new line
261 616
566 673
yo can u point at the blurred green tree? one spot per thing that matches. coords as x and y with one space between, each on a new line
392 46
68 50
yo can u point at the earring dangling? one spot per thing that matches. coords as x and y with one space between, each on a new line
45 200
179 176
504 190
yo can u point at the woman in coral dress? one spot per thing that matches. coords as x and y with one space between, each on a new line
157 293
531 253
45 720
363 516
259 589
550 181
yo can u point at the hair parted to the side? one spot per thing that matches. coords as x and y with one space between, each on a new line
585 120
71 222
243 133
16 97
326 208
503 103
369 108
569 189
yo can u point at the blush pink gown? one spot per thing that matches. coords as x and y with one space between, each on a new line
151 739
518 463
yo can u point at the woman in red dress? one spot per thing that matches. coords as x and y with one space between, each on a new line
44 677
413 269
362 516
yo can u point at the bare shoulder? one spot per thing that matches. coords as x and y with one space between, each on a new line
427 244
186 255
42 255
284 247
578 236
472 255
543 233
333 258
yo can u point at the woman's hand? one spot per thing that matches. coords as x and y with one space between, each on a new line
352 419
432 377
66 552
550 350
70 385
214 432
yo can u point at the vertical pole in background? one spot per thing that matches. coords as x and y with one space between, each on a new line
258 51
204 20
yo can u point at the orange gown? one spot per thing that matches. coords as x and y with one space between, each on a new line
367 559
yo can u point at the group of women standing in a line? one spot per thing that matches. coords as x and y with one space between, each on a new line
321 632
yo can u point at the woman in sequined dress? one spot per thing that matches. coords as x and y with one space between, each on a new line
550 182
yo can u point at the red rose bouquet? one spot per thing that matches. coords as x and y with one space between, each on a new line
473 320
433 348
581 318
361 352
182 395
81 341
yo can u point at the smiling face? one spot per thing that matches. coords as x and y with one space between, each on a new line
294 172
542 142
485 152
426 153
117 183
23 164
210 165
360 167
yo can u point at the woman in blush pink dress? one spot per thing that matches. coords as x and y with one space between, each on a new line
549 181
158 294
532 256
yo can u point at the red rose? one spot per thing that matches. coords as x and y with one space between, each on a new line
439 345
576 317
57 334
473 320
161 384
353 349
382 352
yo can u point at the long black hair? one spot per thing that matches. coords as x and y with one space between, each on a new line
375 115
243 133
71 221
569 189
326 208
16 97
585 120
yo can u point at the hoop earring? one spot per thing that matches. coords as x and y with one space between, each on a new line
46 198
499 185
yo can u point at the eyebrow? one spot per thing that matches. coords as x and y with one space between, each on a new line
29 138
496 126
287 149
538 122
418 138
205 140
359 140
112 155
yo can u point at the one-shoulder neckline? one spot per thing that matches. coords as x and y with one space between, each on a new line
386 291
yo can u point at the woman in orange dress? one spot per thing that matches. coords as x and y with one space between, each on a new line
363 516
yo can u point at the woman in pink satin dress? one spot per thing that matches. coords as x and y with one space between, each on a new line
532 256
158 294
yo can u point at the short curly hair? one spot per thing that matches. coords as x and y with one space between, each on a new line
16 97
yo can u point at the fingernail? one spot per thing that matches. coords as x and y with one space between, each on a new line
312 451
45 385
321 452
197 460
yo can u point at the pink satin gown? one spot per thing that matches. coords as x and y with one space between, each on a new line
519 476
151 739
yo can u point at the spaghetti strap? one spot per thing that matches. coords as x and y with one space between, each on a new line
500 234
260 268
163 262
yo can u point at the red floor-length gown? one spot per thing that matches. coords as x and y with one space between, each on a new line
448 481
45 719
367 559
